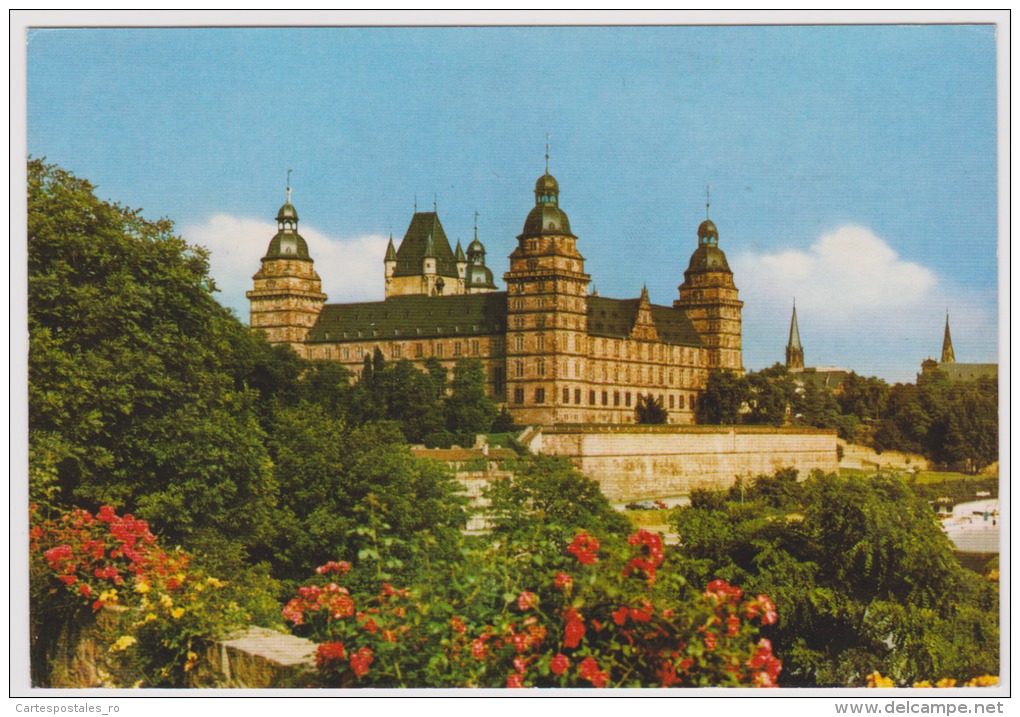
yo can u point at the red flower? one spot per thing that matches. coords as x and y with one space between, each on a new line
563 581
709 641
520 665
360 661
620 615
559 664
589 670
458 625
478 648
334 567
574 630
721 591
527 600
585 548
329 653
371 626
515 680
732 625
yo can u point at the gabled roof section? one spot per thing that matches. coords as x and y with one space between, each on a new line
425 237
411 317
615 318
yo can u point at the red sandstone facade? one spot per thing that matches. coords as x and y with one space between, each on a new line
553 352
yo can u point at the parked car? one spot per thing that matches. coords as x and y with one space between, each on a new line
641 505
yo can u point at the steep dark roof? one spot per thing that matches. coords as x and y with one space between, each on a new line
614 318
410 317
416 245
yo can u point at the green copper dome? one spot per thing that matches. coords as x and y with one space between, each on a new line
708 256
546 217
287 244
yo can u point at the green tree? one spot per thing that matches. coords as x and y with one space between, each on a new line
468 408
650 410
725 394
549 491
136 397
859 572
336 478
770 395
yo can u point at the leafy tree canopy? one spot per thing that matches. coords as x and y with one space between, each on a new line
138 380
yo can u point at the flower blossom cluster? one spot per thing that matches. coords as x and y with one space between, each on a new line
648 563
585 548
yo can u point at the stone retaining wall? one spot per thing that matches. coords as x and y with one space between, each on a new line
642 462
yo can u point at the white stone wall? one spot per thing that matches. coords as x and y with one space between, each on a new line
641 462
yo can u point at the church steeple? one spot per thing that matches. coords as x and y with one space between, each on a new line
794 351
947 345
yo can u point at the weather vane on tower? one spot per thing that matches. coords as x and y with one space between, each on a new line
288 185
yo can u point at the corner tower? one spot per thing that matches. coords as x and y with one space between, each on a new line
287 296
547 311
709 298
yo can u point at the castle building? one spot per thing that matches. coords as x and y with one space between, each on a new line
553 351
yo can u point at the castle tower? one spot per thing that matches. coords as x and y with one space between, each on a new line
424 264
709 298
287 296
389 264
947 345
547 311
477 277
794 351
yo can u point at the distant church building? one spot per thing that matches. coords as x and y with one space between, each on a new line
957 371
553 351
827 377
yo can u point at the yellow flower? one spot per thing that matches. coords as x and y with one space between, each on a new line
192 659
123 643
946 682
176 613
142 587
108 596
214 582
922 683
875 679
181 577
983 681
150 617
166 601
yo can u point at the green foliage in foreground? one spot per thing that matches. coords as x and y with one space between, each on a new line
862 577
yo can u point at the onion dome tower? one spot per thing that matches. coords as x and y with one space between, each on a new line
794 351
477 277
547 310
709 298
287 296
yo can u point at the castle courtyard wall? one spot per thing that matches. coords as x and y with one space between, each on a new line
643 462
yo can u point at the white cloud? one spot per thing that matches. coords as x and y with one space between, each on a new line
351 269
859 305
844 274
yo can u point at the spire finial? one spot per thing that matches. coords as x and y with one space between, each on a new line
708 199
415 203
476 225
435 202
288 185
547 138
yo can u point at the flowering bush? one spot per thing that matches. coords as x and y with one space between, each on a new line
593 618
81 563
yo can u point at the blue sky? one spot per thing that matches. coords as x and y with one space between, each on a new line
852 167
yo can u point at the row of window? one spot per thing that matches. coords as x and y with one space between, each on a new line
672 401
641 374
417 350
